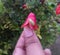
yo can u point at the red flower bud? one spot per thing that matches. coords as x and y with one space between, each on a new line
58 9
24 6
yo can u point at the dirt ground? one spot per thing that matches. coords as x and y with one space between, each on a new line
55 48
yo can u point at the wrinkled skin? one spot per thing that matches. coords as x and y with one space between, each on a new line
29 44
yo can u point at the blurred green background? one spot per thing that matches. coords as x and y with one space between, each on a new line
13 14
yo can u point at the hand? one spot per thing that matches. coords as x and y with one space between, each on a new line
29 44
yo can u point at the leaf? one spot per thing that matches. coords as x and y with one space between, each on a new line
40 37
5 52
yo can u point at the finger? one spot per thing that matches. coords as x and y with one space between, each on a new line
47 52
19 48
20 42
32 43
33 47
18 51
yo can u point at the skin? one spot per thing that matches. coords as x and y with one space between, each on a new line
29 44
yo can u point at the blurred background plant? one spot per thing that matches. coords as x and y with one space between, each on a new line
14 12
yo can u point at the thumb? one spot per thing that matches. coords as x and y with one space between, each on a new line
32 43
30 37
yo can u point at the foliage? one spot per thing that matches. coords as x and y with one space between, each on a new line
13 17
